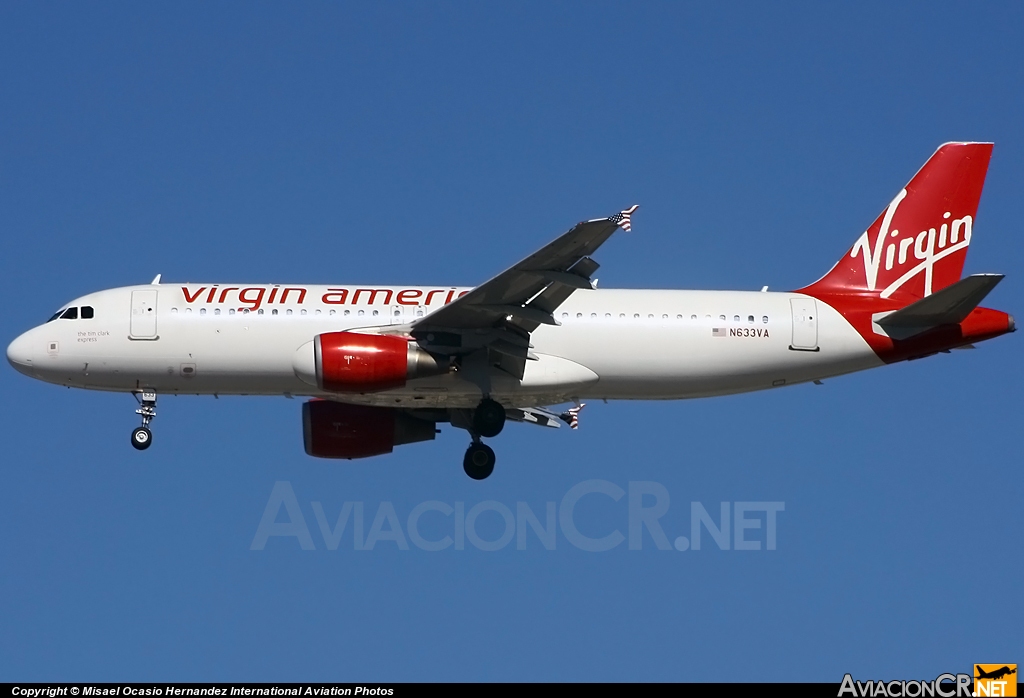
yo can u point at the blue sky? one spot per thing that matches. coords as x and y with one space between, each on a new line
439 143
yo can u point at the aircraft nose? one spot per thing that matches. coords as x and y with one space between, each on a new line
19 353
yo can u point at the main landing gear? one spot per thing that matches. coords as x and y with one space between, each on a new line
142 437
488 421
479 460
488 418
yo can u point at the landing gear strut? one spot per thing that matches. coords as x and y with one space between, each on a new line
142 437
479 460
487 420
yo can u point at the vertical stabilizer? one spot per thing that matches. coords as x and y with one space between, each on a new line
919 242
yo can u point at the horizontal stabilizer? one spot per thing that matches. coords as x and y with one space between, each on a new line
947 306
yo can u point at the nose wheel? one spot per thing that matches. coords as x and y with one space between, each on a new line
478 461
142 437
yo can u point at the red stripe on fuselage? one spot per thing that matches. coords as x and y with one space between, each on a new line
857 309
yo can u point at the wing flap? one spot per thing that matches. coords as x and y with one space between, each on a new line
534 415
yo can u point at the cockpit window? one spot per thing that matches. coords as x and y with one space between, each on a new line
55 315
70 314
87 313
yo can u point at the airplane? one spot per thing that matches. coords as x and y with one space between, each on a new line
384 365
995 674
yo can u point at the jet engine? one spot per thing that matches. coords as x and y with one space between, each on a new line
349 362
336 430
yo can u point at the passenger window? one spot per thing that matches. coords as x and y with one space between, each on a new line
188 311
318 312
274 311
87 313
174 311
375 313
202 311
665 317
650 316
735 318
347 312
288 312
622 316
693 317
231 311
750 318
636 316
70 314
333 311
765 319
579 315
721 317
360 313
260 311
216 311
607 315
593 316
303 311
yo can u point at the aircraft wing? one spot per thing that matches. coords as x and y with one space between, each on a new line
501 313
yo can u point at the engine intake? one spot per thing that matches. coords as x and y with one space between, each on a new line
349 362
337 430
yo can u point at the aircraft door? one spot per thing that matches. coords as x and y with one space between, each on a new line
805 324
143 322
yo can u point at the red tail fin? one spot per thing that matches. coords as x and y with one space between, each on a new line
919 242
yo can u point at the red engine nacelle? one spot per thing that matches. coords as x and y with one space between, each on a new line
336 430
349 362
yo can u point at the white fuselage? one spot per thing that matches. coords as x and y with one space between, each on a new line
613 344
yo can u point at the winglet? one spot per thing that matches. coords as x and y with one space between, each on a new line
572 415
156 280
621 218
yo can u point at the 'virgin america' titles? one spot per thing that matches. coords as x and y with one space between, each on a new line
254 297
928 245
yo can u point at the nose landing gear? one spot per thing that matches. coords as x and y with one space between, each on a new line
142 437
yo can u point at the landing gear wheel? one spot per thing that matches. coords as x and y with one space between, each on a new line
142 438
479 461
488 418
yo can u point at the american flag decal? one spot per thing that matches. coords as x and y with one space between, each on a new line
719 332
572 416
621 218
